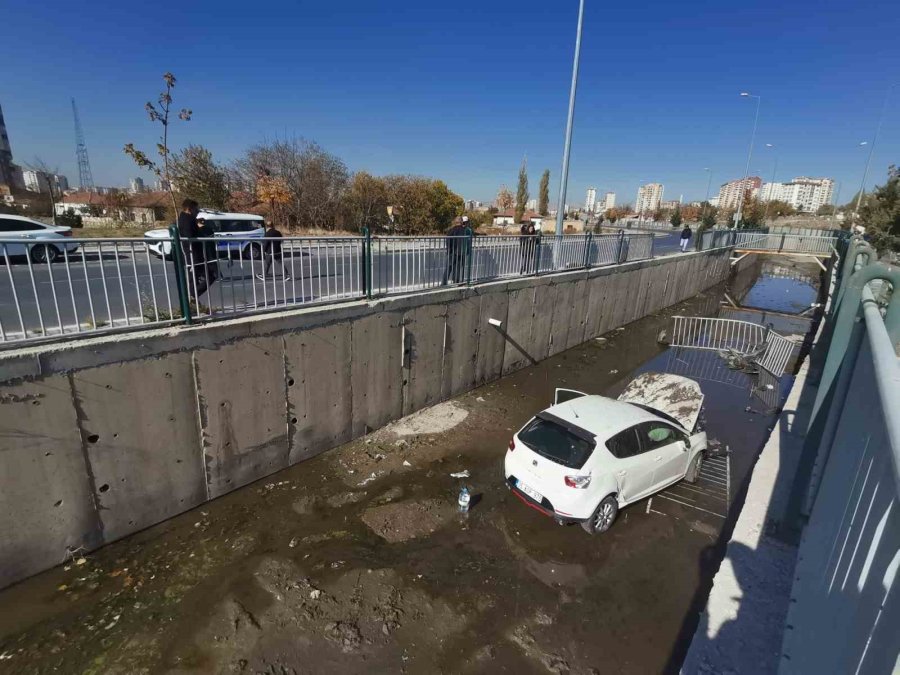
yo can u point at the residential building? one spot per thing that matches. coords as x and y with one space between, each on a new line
670 204
730 193
803 193
136 185
147 207
608 202
649 197
532 205
8 173
591 202
33 181
508 219
36 181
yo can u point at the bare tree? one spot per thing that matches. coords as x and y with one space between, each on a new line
160 112
48 175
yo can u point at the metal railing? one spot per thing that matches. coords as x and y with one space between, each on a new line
744 337
67 286
844 614
786 243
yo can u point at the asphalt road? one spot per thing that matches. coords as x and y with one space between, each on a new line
123 288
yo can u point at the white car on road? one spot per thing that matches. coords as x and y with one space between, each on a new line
585 457
19 236
237 227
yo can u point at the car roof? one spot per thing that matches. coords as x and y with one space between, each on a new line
601 416
211 214
25 219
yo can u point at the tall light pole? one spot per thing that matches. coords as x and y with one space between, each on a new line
769 200
706 199
564 176
740 209
862 187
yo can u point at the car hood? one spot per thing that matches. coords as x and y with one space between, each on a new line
161 233
678 397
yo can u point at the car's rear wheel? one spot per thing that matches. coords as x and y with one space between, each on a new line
603 517
693 472
253 251
44 253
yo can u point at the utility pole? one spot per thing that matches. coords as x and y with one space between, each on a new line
740 208
774 169
564 176
862 186
706 200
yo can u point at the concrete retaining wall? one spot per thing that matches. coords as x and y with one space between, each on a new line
103 437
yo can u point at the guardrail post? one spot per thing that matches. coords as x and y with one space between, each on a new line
587 249
366 262
621 246
537 256
184 298
469 253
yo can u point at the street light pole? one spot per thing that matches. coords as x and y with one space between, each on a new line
769 200
706 199
862 186
564 176
740 209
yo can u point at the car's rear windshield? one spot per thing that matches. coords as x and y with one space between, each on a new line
551 439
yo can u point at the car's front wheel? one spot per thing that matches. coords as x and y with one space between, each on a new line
44 253
603 517
693 472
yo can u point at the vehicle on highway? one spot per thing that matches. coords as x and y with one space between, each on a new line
53 239
587 456
233 229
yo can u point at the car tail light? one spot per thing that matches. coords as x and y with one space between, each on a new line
579 482
66 233
512 444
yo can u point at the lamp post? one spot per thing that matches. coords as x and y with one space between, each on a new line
769 200
564 176
862 187
740 208
706 199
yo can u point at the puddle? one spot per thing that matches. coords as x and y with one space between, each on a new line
788 287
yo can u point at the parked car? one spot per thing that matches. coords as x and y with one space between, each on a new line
585 457
234 230
53 239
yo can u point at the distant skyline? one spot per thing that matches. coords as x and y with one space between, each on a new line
426 88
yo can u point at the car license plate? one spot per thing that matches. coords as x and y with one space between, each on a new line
534 494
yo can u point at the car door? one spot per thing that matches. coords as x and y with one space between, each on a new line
11 228
665 447
631 468
563 395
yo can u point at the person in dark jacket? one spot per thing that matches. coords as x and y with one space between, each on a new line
273 249
456 253
685 238
527 246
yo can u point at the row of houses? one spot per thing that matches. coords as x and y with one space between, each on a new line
143 208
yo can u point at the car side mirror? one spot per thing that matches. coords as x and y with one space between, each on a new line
687 443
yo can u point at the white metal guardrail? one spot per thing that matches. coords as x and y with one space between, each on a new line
67 287
744 337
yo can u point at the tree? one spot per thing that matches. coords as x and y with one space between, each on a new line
445 204
197 176
612 215
422 204
522 191
367 200
676 217
317 180
46 174
544 193
777 208
273 190
708 220
161 112
825 210
505 199
880 213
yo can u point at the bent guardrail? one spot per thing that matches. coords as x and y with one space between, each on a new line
70 287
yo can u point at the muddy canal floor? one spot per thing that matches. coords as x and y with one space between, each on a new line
357 561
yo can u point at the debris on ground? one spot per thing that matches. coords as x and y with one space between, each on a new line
434 420
460 474
401 521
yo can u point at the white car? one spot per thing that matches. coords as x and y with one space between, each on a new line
54 239
239 227
585 457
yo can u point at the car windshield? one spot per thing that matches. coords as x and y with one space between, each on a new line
554 441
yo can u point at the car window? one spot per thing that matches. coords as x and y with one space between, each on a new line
656 435
10 225
624 444
553 441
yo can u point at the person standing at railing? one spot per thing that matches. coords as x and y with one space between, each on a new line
273 251
685 238
199 260
456 248
527 246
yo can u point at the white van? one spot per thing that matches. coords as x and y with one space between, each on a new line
237 227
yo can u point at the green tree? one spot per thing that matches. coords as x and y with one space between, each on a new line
544 193
522 191
880 213
445 204
196 175
367 200
676 217
708 219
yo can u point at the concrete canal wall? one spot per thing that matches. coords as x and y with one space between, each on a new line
102 437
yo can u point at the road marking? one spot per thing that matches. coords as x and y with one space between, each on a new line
717 515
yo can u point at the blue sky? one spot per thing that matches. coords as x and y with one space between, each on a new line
463 90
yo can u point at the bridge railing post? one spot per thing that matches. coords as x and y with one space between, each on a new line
469 253
537 256
366 262
587 249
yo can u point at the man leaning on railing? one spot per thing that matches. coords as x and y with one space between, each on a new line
202 269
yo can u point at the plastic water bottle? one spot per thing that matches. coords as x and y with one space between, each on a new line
464 498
